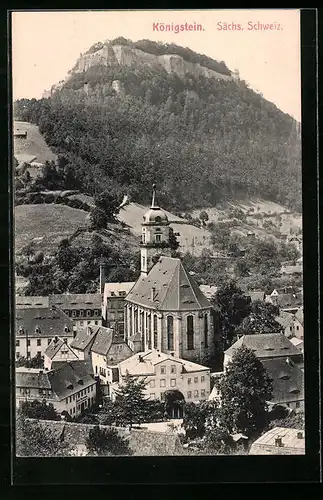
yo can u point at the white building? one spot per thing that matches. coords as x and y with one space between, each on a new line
69 388
37 326
58 350
82 308
164 372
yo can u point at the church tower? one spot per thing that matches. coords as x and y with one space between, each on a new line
154 235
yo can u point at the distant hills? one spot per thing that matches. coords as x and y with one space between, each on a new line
134 113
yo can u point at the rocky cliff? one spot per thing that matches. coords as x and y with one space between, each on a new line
132 57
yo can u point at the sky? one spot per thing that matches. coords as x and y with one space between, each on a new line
46 45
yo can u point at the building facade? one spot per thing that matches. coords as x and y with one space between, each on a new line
113 305
163 372
36 328
82 308
58 350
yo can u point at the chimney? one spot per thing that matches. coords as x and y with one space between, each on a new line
278 441
102 277
172 354
300 435
152 293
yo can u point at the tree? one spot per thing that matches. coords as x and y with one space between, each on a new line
245 388
234 306
173 242
35 440
67 257
98 218
35 362
107 442
130 402
109 202
218 440
196 417
204 217
260 320
39 410
241 268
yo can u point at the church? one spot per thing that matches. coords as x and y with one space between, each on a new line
165 308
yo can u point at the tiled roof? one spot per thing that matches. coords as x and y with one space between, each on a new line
50 321
86 363
297 342
113 289
23 301
84 337
143 363
285 319
76 301
103 341
32 380
265 345
175 289
54 347
288 435
289 299
69 378
288 380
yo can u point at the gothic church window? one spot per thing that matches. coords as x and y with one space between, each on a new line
206 327
190 332
170 333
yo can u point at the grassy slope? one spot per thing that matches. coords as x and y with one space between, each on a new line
34 145
45 224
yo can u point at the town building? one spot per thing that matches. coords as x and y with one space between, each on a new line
107 351
288 301
36 327
113 305
83 342
280 441
286 320
266 346
58 350
69 388
299 323
163 372
83 308
23 302
288 383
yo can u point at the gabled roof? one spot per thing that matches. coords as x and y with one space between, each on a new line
175 289
288 380
103 341
23 301
32 380
288 435
84 337
69 378
143 363
285 319
50 321
113 289
76 300
54 347
265 345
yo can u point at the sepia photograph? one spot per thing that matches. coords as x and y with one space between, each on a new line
158 233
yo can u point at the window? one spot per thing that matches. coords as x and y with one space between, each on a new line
73 313
17 354
73 397
202 378
196 394
96 369
17 343
189 380
196 379
297 327
190 332
143 262
141 322
28 343
206 328
38 353
291 328
28 354
173 369
203 393
66 401
89 322
155 331
96 322
170 334
173 382
49 341
163 370
152 384
162 396
162 382
81 312
88 312
158 238
189 395
152 395
81 322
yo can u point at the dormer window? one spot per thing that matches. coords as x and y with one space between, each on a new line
158 230
66 329
37 329
158 238
158 219
80 381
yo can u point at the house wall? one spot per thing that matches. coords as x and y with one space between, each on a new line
72 404
180 345
34 348
298 329
195 386
65 353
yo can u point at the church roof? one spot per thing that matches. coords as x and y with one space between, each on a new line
174 288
